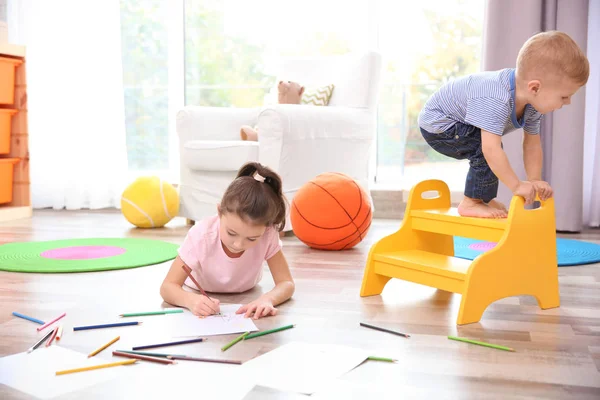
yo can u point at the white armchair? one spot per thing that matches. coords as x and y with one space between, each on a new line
297 141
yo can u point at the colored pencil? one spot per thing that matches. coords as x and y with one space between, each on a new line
54 331
37 321
377 328
114 364
98 350
143 353
215 360
493 346
188 271
39 342
373 358
142 314
59 333
83 328
47 324
159 360
151 346
234 341
257 334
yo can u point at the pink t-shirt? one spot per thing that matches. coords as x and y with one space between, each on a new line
214 270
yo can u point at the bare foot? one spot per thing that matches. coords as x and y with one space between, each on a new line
476 208
498 206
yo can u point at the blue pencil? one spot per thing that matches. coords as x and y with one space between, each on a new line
37 321
83 328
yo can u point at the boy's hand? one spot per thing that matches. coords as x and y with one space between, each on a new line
204 306
543 189
526 190
259 307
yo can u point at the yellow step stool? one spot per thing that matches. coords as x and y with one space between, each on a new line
524 262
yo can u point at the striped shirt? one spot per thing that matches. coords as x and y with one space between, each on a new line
485 100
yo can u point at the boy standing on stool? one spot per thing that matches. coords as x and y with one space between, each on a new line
466 118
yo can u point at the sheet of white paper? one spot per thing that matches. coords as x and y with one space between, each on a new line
302 367
35 373
187 324
185 379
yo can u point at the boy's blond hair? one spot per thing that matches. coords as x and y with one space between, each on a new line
553 53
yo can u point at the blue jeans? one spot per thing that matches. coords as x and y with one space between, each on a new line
463 141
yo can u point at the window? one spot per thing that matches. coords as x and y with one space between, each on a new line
219 53
424 45
229 43
144 44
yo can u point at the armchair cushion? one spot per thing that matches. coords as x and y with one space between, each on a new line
218 155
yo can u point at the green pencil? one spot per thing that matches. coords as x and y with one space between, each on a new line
373 358
141 314
234 341
493 346
257 334
143 353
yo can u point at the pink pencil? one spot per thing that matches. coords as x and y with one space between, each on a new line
47 324
54 331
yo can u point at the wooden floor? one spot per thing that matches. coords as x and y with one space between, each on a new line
557 351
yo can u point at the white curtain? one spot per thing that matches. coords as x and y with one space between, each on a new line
77 145
591 175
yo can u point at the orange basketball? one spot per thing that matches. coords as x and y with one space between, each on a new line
331 212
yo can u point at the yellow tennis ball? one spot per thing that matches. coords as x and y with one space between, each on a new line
150 202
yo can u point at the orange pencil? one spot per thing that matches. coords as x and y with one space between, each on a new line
93 353
59 333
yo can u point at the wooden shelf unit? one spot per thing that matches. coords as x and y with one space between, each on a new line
20 207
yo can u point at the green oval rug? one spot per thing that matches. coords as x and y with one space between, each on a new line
83 255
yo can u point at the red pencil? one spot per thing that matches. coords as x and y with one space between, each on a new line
54 332
145 358
188 271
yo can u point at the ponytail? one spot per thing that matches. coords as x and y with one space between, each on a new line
256 194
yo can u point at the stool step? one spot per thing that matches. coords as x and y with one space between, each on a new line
430 263
447 221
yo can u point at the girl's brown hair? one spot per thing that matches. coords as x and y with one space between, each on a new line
256 201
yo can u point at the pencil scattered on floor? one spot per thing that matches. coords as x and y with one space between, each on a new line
37 321
215 360
493 346
373 358
59 333
47 324
92 367
143 353
39 342
160 360
54 332
101 326
377 328
257 334
98 350
151 346
143 314
234 341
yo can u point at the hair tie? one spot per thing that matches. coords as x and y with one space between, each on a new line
258 177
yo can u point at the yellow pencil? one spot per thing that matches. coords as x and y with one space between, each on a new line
70 371
93 353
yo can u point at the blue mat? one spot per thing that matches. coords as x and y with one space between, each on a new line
570 252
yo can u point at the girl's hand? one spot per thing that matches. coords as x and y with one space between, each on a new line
259 307
204 306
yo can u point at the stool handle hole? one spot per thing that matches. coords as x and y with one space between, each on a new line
431 194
